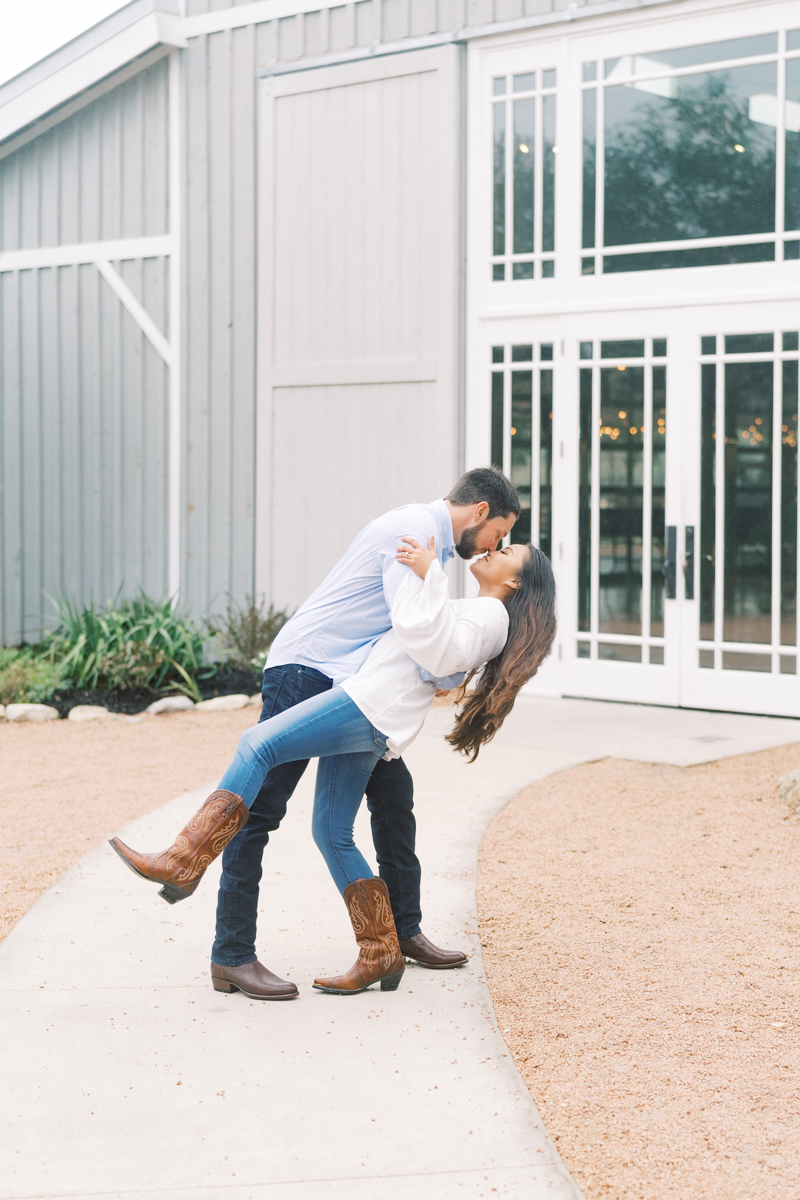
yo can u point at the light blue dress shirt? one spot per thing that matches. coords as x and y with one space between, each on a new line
340 622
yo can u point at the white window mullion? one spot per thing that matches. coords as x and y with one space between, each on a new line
509 248
719 506
797 581
536 452
777 442
594 623
780 151
600 171
507 419
538 184
647 503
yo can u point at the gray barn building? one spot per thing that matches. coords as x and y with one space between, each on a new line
266 272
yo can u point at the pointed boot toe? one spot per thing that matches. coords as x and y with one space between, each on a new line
425 954
180 868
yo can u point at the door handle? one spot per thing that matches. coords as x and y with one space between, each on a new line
688 569
670 562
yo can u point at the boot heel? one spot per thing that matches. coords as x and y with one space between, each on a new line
390 983
173 894
222 985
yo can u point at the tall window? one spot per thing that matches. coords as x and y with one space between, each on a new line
748 502
522 435
622 454
524 176
681 162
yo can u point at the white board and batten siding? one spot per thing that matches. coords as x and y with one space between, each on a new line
359 311
83 394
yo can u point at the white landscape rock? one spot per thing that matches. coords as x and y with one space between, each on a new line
31 712
256 698
222 703
88 712
789 790
170 704
2 712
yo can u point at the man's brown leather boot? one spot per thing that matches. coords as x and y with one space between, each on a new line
421 951
253 979
181 868
379 956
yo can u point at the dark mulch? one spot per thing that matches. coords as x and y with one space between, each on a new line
135 700
132 700
230 682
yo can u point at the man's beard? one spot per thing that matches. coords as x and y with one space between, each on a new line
465 547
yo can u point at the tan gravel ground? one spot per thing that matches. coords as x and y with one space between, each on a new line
640 926
65 786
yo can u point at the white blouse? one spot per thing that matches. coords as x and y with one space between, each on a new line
441 635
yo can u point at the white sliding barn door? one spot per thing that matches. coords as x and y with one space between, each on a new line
359 305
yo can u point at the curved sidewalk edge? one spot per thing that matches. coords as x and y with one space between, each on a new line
127 1076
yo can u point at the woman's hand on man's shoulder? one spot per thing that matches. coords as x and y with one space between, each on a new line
413 554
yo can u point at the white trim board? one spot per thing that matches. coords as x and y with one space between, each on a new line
359 54
640 303
154 29
86 252
87 96
274 10
69 52
354 69
252 14
139 313
175 484
338 374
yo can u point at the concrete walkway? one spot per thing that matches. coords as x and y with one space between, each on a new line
126 1075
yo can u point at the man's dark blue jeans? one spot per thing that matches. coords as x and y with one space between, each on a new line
390 799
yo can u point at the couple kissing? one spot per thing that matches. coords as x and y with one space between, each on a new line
349 680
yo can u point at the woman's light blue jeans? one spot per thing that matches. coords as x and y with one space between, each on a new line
334 729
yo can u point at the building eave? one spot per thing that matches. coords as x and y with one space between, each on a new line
75 68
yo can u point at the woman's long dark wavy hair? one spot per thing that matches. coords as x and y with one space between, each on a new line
531 629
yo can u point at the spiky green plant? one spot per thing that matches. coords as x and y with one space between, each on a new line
129 643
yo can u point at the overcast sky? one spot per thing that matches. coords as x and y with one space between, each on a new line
30 29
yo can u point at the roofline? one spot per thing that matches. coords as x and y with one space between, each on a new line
142 31
99 52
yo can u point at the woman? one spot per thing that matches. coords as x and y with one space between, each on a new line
377 713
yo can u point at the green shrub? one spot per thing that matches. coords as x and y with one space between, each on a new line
246 632
127 644
26 678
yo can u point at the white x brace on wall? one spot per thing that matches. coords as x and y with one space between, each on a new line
164 245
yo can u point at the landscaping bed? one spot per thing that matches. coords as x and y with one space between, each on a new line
135 700
132 652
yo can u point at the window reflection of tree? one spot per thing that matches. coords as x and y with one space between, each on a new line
748 502
672 167
621 499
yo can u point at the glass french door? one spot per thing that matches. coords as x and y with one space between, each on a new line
739 642
678 511
621 558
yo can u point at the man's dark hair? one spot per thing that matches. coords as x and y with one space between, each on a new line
487 484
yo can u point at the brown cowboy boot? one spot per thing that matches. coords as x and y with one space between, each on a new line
379 956
423 952
181 868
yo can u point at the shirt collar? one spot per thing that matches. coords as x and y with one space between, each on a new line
447 540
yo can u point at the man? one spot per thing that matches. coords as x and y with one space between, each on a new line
323 644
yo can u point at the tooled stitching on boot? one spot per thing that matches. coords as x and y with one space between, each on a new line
218 806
